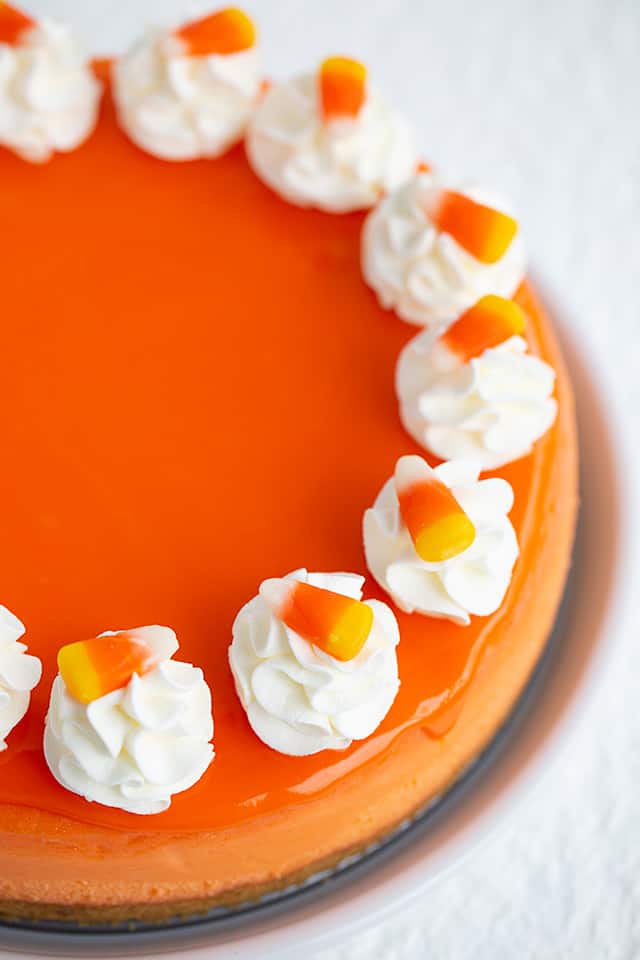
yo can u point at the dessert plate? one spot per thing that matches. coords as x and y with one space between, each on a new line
330 908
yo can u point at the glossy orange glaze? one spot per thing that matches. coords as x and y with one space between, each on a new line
198 395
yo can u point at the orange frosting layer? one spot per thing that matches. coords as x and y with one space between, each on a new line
186 419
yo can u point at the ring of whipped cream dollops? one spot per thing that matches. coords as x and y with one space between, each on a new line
127 725
315 666
49 96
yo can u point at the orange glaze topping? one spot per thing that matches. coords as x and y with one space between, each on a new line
175 432
12 23
227 31
337 624
486 324
343 85
483 232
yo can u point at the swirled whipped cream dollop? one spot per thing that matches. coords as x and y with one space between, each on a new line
49 96
474 582
300 700
423 273
135 747
19 674
180 106
336 165
491 409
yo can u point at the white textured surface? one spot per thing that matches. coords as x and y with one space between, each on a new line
540 99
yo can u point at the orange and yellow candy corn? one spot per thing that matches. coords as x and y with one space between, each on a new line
481 231
489 322
437 524
337 624
227 31
12 23
92 668
342 88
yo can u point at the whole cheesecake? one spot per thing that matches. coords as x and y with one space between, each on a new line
199 394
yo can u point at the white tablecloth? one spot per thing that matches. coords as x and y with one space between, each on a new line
541 100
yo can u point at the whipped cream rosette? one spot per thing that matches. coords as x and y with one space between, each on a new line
314 666
49 96
128 726
328 140
189 92
440 542
430 252
19 674
473 390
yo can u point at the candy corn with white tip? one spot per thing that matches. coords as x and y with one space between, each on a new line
337 624
488 323
483 232
437 524
93 668
343 88
225 32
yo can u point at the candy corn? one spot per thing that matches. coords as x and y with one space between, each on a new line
92 668
337 624
437 524
12 23
342 88
483 232
227 31
489 322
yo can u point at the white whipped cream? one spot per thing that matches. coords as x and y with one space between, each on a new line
48 94
181 107
474 582
421 273
135 747
491 409
342 165
19 674
299 700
